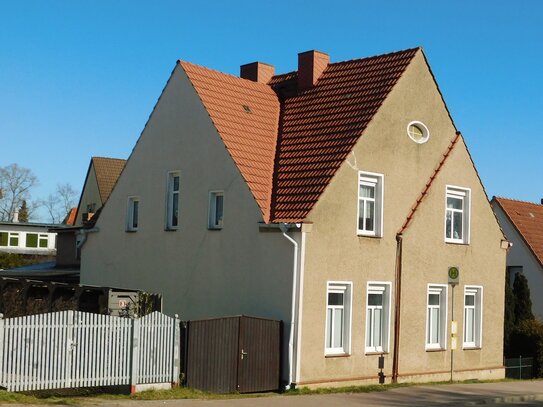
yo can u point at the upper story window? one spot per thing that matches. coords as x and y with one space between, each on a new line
436 317
216 209
172 201
457 214
370 204
338 318
132 214
377 317
418 132
473 316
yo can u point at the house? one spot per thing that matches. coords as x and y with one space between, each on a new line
101 176
27 238
335 198
522 223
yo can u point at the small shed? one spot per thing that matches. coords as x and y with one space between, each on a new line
230 354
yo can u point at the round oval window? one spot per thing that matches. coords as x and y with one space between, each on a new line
418 132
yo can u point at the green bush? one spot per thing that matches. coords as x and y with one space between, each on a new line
527 340
11 260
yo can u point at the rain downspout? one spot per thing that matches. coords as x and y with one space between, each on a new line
398 294
284 229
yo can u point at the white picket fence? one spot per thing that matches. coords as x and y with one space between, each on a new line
71 349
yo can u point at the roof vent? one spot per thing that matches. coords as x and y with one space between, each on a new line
311 65
247 109
257 72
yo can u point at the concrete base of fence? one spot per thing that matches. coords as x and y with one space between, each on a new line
152 386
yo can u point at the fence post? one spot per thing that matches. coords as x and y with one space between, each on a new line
69 347
135 355
176 346
2 349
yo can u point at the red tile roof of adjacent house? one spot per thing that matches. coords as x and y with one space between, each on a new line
288 144
70 218
527 218
107 172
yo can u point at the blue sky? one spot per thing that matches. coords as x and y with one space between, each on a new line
79 79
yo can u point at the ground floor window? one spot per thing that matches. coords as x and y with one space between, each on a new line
436 317
473 316
377 317
338 318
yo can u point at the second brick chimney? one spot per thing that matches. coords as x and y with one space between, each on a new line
311 65
257 72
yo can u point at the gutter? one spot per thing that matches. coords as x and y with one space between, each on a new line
284 229
397 307
83 234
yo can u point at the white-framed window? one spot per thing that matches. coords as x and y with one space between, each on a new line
418 132
473 316
132 213
338 318
436 317
172 201
370 204
10 239
216 209
457 214
377 317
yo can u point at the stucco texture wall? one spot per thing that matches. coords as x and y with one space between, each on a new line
201 273
334 251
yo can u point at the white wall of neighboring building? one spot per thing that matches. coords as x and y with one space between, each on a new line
520 255
198 272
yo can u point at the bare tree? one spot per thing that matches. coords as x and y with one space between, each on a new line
59 204
15 186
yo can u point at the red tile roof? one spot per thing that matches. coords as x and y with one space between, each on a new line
290 143
70 218
107 172
246 115
527 218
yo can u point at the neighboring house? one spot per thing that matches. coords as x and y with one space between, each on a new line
27 238
522 223
101 178
322 197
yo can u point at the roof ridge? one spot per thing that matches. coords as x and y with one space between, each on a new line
108 158
216 71
429 183
402 51
516 200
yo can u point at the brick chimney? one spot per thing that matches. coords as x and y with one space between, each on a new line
311 65
257 72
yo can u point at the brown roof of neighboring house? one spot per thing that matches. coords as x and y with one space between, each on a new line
70 217
288 144
107 172
527 218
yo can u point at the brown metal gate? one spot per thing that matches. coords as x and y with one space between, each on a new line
231 354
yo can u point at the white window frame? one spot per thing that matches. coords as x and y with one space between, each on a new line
377 181
383 288
465 195
344 287
130 227
171 196
477 292
213 222
442 290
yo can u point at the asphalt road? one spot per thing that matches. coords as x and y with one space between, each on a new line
517 393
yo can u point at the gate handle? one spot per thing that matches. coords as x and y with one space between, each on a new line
243 353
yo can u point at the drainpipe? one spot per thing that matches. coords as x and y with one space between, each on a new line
284 229
398 292
83 233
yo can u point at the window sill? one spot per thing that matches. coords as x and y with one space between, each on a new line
131 231
436 349
214 228
170 230
337 355
378 353
457 242
359 234
471 348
